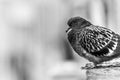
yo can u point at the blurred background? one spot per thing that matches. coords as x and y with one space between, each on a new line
33 42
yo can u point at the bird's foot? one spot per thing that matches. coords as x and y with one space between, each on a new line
89 66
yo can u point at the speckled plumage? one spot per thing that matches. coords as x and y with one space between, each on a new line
95 43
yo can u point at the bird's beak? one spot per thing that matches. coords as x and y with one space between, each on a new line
68 30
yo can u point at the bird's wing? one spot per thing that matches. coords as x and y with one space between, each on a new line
97 41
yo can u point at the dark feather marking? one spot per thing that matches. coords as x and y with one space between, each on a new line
102 52
106 40
114 39
110 45
103 43
104 35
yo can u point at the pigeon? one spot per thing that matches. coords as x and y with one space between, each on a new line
95 43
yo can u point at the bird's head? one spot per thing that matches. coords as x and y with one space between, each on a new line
77 23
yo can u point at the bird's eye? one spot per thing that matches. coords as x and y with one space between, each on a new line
72 23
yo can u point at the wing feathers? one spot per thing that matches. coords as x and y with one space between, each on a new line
98 40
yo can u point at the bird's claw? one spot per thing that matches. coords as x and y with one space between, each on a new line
89 66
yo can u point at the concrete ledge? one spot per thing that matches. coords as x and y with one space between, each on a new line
110 73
